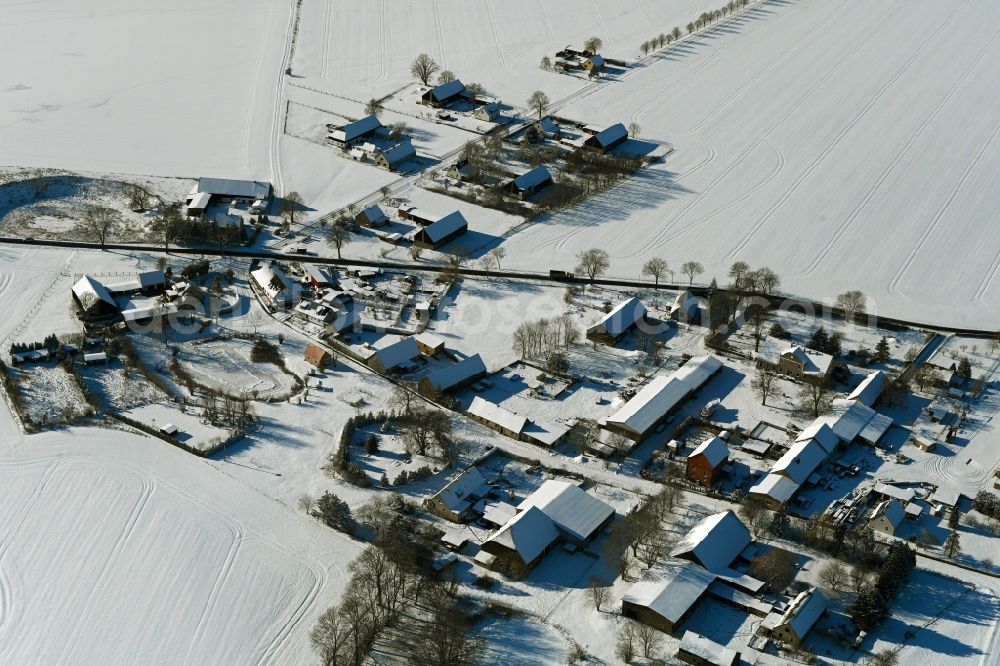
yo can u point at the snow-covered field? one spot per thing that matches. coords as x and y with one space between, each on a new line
844 144
131 551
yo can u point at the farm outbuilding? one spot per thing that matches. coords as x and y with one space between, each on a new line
444 94
705 463
356 131
607 139
452 377
529 183
668 595
620 320
316 356
442 232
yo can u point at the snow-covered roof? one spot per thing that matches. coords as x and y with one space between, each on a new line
715 541
316 274
226 187
820 431
499 513
373 214
200 200
946 496
852 417
708 650
549 126
597 60
398 353
892 510
779 488
148 311
624 316
878 426
869 389
664 393
813 362
532 178
528 533
360 127
546 432
571 509
714 450
804 610
671 589
446 90
273 281
399 153
445 226
429 340
801 460
494 413
457 373
902 494
469 484
611 135
89 292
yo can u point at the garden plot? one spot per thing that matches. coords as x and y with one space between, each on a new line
192 431
388 457
225 365
120 389
49 395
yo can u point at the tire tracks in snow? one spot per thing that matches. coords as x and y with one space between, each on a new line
657 239
880 181
254 82
66 655
833 145
731 99
939 214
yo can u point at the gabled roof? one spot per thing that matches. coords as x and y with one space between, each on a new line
611 135
706 649
494 413
528 533
777 487
398 353
532 178
624 316
820 431
892 510
549 126
469 484
445 226
373 214
671 589
90 293
597 60
571 509
902 494
664 393
399 153
713 449
715 541
457 373
804 610
360 127
273 280
801 460
813 362
869 389
226 187
446 90
853 417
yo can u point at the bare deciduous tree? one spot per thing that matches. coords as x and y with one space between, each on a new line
692 269
593 45
423 68
656 268
851 302
833 575
593 263
763 382
599 593
338 235
815 398
538 102
100 222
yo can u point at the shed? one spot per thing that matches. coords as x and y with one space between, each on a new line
700 651
445 230
316 355
443 94
530 182
96 357
668 595
372 216
607 139
170 430
452 377
706 461
429 344
620 320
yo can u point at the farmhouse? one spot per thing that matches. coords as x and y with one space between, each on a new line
615 324
697 650
802 614
529 183
794 360
453 377
395 356
705 463
445 230
800 461
497 418
392 158
887 516
685 308
93 299
372 217
522 542
714 542
607 139
870 388
774 490
444 94
578 516
461 170
661 397
668 595
351 133
455 501
316 355
247 192
273 285
593 63
489 112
